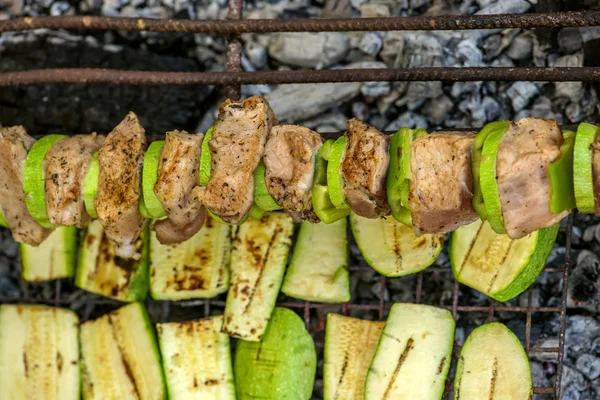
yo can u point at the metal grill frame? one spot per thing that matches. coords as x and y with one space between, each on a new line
234 78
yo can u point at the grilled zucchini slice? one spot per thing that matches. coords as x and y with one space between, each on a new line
196 359
258 258
492 366
196 268
391 248
319 267
120 358
39 353
496 265
350 345
413 355
53 259
282 366
100 271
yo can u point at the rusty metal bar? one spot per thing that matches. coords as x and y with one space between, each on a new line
234 48
237 26
121 77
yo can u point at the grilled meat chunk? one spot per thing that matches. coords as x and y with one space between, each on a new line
177 176
525 151
289 169
441 184
14 145
237 145
66 165
119 185
364 169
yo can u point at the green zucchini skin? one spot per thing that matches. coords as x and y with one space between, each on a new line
530 271
319 267
583 181
39 353
335 181
196 359
258 259
196 268
489 182
55 258
281 366
120 358
108 275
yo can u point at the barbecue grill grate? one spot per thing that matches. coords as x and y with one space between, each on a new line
314 313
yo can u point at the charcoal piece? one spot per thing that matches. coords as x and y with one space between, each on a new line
81 108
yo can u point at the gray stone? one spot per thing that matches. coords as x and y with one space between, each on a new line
573 377
309 50
589 233
14 7
374 10
570 90
296 102
437 109
376 89
521 47
492 46
521 93
467 54
408 119
335 120
418 3
360 111
412 49
569 40
257 54
589 366
371 43
358 4
506 7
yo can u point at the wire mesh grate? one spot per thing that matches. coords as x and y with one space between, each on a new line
314 314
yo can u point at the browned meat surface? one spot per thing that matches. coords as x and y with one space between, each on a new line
14 145
177 176
237 145
441 185
596 172
364 169
526 149
119 185
289 169
66 165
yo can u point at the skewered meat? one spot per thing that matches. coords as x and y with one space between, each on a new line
237 145
14 144
289 169
527 148
441 184
117 201
66 166
177 176
364 169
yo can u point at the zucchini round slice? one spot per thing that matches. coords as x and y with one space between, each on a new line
34 179
391 248
492 365
262 197
488 182
496 265
334 176
583 181
476 149
90 186
149 177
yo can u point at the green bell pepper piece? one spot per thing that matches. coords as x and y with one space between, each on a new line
560 172
322 204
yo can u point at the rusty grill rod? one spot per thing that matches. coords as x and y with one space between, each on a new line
234 25
93 75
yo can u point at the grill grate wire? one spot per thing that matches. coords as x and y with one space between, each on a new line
233 26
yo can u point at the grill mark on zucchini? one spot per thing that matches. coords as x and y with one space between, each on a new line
403 356
126 365
25 364
462 265
342 375
397 248
441 366
263 261
499 266
59 362
494 378
462 362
